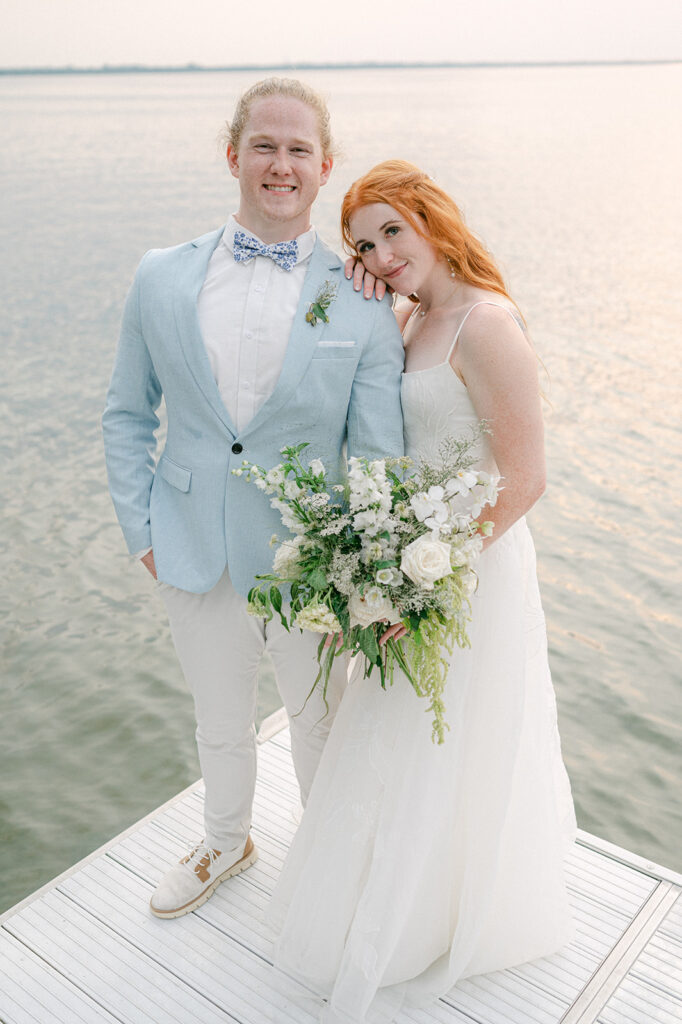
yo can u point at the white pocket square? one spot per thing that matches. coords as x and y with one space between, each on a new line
335 344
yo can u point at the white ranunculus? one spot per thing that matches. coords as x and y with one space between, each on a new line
426 560
371 607
371 521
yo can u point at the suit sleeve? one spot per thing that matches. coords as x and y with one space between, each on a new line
129 423
375 419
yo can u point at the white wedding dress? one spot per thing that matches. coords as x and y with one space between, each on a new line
416 865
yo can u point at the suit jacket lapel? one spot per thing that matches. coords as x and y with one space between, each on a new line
324 266
189 277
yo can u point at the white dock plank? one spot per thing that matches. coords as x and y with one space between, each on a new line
89 951
653 985
32 991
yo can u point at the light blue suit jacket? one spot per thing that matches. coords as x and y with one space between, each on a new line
195 513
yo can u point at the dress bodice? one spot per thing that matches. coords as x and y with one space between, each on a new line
436 405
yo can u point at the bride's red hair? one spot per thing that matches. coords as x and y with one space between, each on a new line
431 212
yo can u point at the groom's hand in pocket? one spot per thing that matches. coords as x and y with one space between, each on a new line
148 562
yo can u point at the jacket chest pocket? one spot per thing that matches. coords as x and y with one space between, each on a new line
333 350
175 475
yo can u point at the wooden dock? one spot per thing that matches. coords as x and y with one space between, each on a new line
85 949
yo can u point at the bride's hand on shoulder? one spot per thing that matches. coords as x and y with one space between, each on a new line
363 281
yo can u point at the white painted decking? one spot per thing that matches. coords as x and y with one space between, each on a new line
85 948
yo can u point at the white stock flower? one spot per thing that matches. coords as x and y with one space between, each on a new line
318 618
372 551
288 519
371 521
291 489
426 560
274 476
371 607
285 562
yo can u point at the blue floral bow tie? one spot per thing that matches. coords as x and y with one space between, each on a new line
245 247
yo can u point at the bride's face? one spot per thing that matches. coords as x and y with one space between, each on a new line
391 249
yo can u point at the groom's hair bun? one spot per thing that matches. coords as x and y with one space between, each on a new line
290 87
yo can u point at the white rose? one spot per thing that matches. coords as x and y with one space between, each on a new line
373 606
317 467
426 560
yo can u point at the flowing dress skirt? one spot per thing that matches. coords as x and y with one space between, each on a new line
417 865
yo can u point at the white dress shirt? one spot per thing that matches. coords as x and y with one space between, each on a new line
246 312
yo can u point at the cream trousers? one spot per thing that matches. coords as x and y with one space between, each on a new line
220 647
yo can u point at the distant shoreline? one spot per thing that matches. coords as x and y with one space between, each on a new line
128 69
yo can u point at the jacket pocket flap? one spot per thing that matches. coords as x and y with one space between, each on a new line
176 476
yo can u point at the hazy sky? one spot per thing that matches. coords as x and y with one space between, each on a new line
95 32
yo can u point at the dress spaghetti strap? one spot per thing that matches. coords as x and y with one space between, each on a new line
481 302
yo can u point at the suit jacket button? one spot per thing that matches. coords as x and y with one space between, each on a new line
237 448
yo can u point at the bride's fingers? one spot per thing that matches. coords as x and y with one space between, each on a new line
363 281
361 278
334 638
394 632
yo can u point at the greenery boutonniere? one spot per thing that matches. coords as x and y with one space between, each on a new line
321 303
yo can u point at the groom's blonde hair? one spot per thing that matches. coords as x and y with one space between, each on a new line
290 87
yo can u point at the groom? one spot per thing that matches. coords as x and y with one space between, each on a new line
221 328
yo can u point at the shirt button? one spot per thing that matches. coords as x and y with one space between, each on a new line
248 334
246 385
237 448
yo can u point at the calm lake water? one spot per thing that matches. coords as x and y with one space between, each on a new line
572 177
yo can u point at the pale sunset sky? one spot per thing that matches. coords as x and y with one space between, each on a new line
90 33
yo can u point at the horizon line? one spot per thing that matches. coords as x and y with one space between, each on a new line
70 69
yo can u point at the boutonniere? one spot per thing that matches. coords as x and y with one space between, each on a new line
317 310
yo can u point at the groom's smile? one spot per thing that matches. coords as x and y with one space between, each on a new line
280 166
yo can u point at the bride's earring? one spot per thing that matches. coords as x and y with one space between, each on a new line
450 264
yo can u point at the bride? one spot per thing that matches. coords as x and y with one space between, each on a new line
417 865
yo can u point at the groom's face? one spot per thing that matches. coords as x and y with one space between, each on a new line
280 166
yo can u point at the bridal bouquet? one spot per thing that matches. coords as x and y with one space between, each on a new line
381 548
